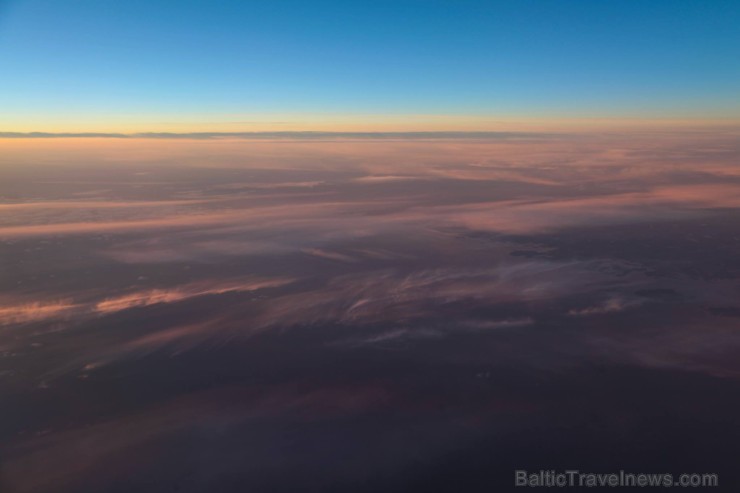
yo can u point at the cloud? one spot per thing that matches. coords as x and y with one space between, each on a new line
383 178
340 257
156 296
499 324
612 305
82 228
350 284
541 215
420 304
15 311
37 311
315 217
87 205
386 297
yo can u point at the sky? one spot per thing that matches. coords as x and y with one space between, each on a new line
157 65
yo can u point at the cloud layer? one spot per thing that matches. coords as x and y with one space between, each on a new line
209 313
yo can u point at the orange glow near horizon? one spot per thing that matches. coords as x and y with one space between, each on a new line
131 124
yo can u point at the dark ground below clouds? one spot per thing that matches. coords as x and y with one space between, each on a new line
418 417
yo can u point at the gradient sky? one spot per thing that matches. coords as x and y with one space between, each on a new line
233 65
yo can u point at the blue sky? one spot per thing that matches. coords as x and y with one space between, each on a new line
158 60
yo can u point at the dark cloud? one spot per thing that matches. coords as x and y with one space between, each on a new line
366 315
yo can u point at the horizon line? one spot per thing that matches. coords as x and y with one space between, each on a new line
319 134
288 134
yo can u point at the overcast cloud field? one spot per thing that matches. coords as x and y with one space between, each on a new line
358 312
